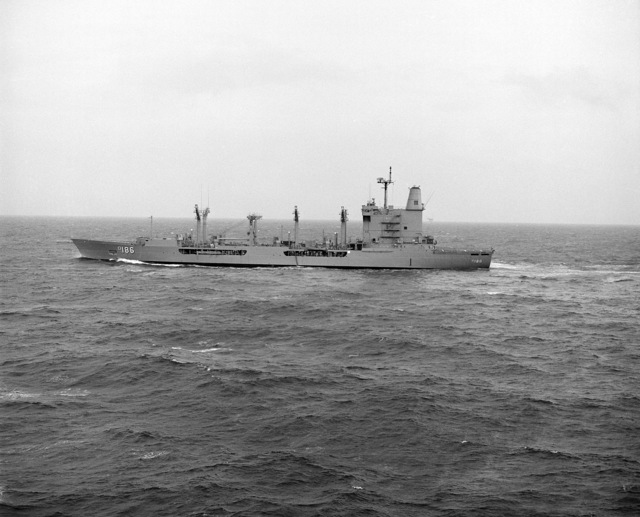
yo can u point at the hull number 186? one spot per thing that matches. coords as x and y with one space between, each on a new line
125 249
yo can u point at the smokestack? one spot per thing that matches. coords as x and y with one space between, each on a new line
414 201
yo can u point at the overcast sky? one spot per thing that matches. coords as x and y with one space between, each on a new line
502 111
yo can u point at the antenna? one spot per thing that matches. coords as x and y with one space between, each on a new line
429 198
386 185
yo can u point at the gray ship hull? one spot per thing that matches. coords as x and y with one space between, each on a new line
169 251
391 238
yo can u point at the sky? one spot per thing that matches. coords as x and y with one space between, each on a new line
523 111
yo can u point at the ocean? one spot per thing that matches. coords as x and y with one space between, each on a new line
132 389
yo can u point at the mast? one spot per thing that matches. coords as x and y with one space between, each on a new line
296 219
253 228
343 226
386 184
205 213
198 223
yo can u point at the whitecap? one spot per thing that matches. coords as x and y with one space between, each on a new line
73 393
500 265
214 349
615 280
177 361
17 395
154 454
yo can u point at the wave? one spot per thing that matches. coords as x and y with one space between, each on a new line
545 452
613 280
44 400
501 265
153 454
130 261
149 264
69 392
567 268
19 395
204 350
39 311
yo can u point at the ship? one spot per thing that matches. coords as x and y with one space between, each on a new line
392 238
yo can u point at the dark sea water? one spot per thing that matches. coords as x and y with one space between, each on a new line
131 389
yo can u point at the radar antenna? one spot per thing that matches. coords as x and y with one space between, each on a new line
386 185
